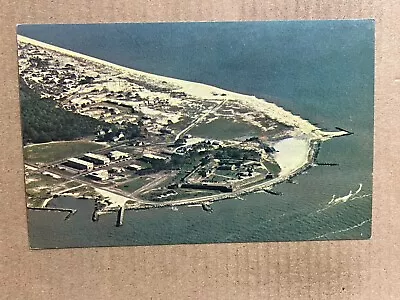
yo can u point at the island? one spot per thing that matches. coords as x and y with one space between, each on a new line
128 139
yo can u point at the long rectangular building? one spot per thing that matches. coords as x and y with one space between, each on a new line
96 158
152 157
79 164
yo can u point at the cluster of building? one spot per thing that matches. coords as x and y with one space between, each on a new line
103 93
90 160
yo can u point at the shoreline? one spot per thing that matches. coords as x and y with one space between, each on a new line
302 128
311 148
200 90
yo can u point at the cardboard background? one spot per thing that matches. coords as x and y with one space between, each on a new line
300 270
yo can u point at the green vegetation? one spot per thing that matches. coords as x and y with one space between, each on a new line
39 180
39 187
236 153
130 131
43 121
37 197
226 173
87 192
218 178
222 128
184 162
71 184
50 152
272 167
134 184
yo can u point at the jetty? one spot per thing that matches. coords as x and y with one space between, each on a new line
207 206
272 192
344 130
326 164
70 211
120 216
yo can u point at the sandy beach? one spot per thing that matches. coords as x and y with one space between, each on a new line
293 153
204 91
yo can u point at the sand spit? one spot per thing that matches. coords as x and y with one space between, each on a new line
202 101
292 154
203 91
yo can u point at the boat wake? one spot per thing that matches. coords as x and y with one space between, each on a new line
343 199
343 230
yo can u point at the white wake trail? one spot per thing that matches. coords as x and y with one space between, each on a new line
346 198
349 197
343 230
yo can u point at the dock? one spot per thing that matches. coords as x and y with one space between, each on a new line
120 216
326 164
347 132
273 192
95 216
207 206
70 211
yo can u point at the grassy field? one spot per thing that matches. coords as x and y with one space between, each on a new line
50 152
42 180
134 184
221 129
272 167
39 189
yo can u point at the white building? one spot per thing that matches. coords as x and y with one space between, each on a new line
118 155
134 167
97 158
100 175
79 164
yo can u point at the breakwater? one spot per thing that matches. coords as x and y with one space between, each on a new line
70 211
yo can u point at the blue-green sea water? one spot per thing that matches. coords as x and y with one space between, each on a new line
320 70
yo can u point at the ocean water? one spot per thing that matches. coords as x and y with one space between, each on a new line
320 70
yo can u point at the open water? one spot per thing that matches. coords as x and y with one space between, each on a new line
321 70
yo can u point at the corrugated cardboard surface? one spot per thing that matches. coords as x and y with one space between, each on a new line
301 270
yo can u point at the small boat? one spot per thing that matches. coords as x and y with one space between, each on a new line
174 208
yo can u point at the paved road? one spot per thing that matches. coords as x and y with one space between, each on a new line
199 119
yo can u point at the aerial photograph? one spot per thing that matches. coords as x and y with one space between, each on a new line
205 132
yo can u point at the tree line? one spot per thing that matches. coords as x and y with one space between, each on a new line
43 121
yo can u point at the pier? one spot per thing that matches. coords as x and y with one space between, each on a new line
347 132
120 216
95 216
70 211
326 164
272 192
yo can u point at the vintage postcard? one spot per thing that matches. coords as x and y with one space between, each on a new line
186 133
